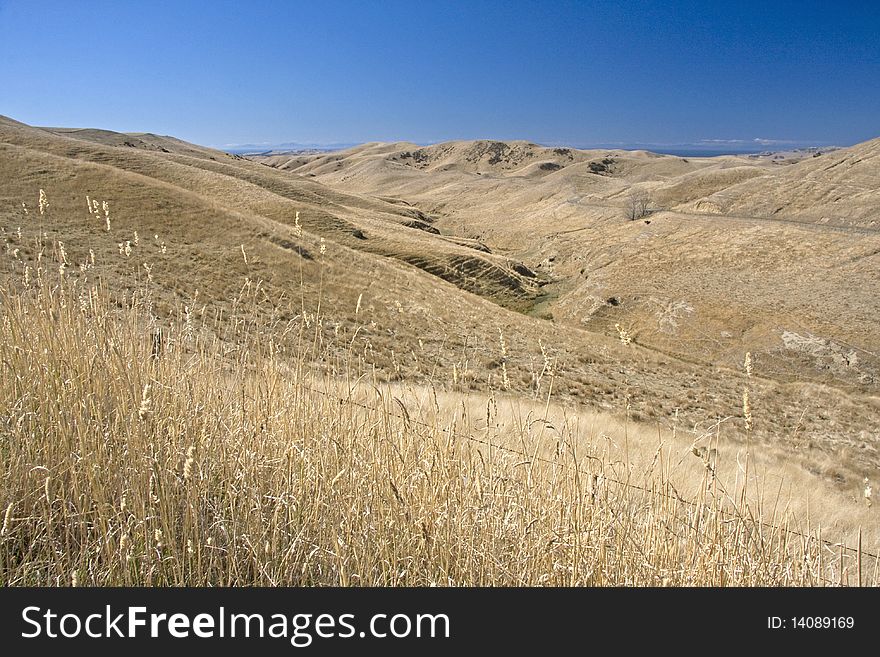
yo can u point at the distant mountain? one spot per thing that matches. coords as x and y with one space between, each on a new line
285 147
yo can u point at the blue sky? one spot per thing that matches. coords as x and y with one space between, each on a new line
580 73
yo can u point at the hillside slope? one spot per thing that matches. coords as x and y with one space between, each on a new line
836 189
444 308
739 254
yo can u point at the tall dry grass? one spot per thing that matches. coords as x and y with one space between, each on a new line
214 453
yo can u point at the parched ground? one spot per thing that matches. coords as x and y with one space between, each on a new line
434 255
777 257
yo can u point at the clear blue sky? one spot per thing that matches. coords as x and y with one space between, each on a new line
222 73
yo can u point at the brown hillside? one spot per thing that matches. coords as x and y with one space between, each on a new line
425 268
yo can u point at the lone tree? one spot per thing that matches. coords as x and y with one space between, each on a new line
637 206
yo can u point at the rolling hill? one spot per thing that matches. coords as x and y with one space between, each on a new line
471 265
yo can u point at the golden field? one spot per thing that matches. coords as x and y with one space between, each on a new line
223 372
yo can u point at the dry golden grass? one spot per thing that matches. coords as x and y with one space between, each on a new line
689 302
231 450
191 233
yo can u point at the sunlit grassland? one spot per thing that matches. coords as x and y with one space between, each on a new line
221 450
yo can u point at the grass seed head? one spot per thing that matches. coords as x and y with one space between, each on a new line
146 403
7 520
188 463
